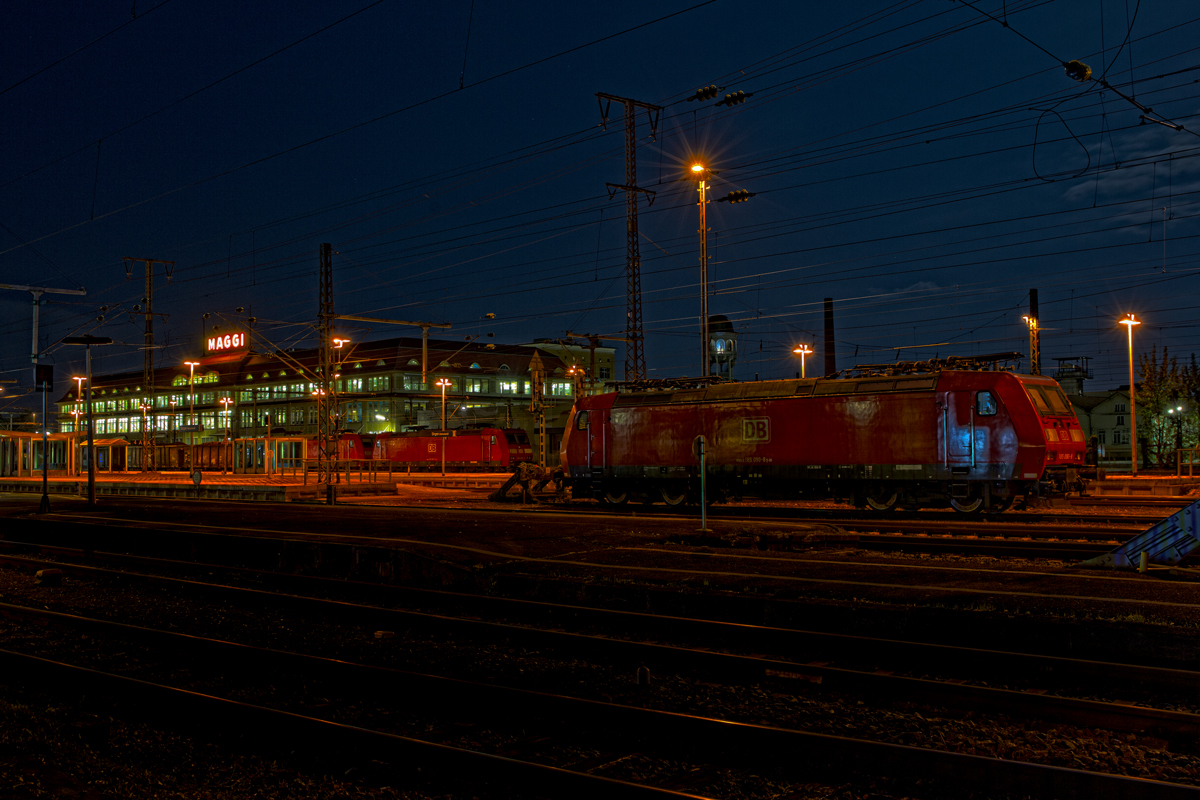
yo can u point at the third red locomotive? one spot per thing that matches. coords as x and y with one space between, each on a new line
957 431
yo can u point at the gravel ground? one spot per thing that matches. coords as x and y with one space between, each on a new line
803 707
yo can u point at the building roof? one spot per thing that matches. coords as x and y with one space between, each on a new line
400 354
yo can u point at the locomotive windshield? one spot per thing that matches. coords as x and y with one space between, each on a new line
516 438
1050 400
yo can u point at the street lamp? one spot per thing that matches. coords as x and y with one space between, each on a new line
171 423
191 365
1130 321
145 421
87 341
802 351
225 401
700 174
444 382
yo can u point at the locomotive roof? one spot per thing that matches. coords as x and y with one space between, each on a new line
803 387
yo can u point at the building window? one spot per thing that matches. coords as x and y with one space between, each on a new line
1100 437
510 387
605 373
412 383
474 385
1119 408
352 412
312 416
377 384
1120 421
560 388
378 411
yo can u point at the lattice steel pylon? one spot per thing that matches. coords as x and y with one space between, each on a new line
148 439
325 383
635 354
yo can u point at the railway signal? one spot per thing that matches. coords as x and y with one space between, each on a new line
740 196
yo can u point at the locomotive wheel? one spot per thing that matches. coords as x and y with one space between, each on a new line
616 497
971 505
674 495
1000 506
882 501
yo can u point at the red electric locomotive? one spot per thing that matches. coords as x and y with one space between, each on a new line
909 435
463 449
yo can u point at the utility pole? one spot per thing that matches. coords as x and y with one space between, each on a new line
635 355
593 341
424 326
326 384
36 352
148 464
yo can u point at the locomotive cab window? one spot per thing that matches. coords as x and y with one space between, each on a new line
985 404
581 421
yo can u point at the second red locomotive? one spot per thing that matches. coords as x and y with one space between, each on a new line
955 431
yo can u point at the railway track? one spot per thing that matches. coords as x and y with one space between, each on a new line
834 756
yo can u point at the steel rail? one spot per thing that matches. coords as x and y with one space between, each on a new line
740 741
204 714
803 648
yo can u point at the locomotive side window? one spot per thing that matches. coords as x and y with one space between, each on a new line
1057 400
581 422
985 404
1035 393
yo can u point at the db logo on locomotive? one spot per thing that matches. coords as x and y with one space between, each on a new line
757 429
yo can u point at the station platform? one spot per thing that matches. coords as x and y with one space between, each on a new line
219 486
1148 485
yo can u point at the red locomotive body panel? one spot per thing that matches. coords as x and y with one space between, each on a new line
967 436
464 449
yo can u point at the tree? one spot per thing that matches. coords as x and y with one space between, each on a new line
1161 387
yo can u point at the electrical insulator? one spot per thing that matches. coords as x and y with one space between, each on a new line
733 98
1077 71
704 93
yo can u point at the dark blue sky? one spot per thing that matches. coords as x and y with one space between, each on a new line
916 161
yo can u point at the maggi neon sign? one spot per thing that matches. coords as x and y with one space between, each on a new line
230 341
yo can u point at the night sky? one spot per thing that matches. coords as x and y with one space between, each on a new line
919 162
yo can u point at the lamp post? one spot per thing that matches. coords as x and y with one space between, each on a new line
191 365
79 379
225 401
171 423
701 174
88 341
443 382
802 351
1130 321
144 407
1178 417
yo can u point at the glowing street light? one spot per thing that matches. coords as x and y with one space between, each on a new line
225 401
1130 321
191 365
144 407
444 383
802 351
701 174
